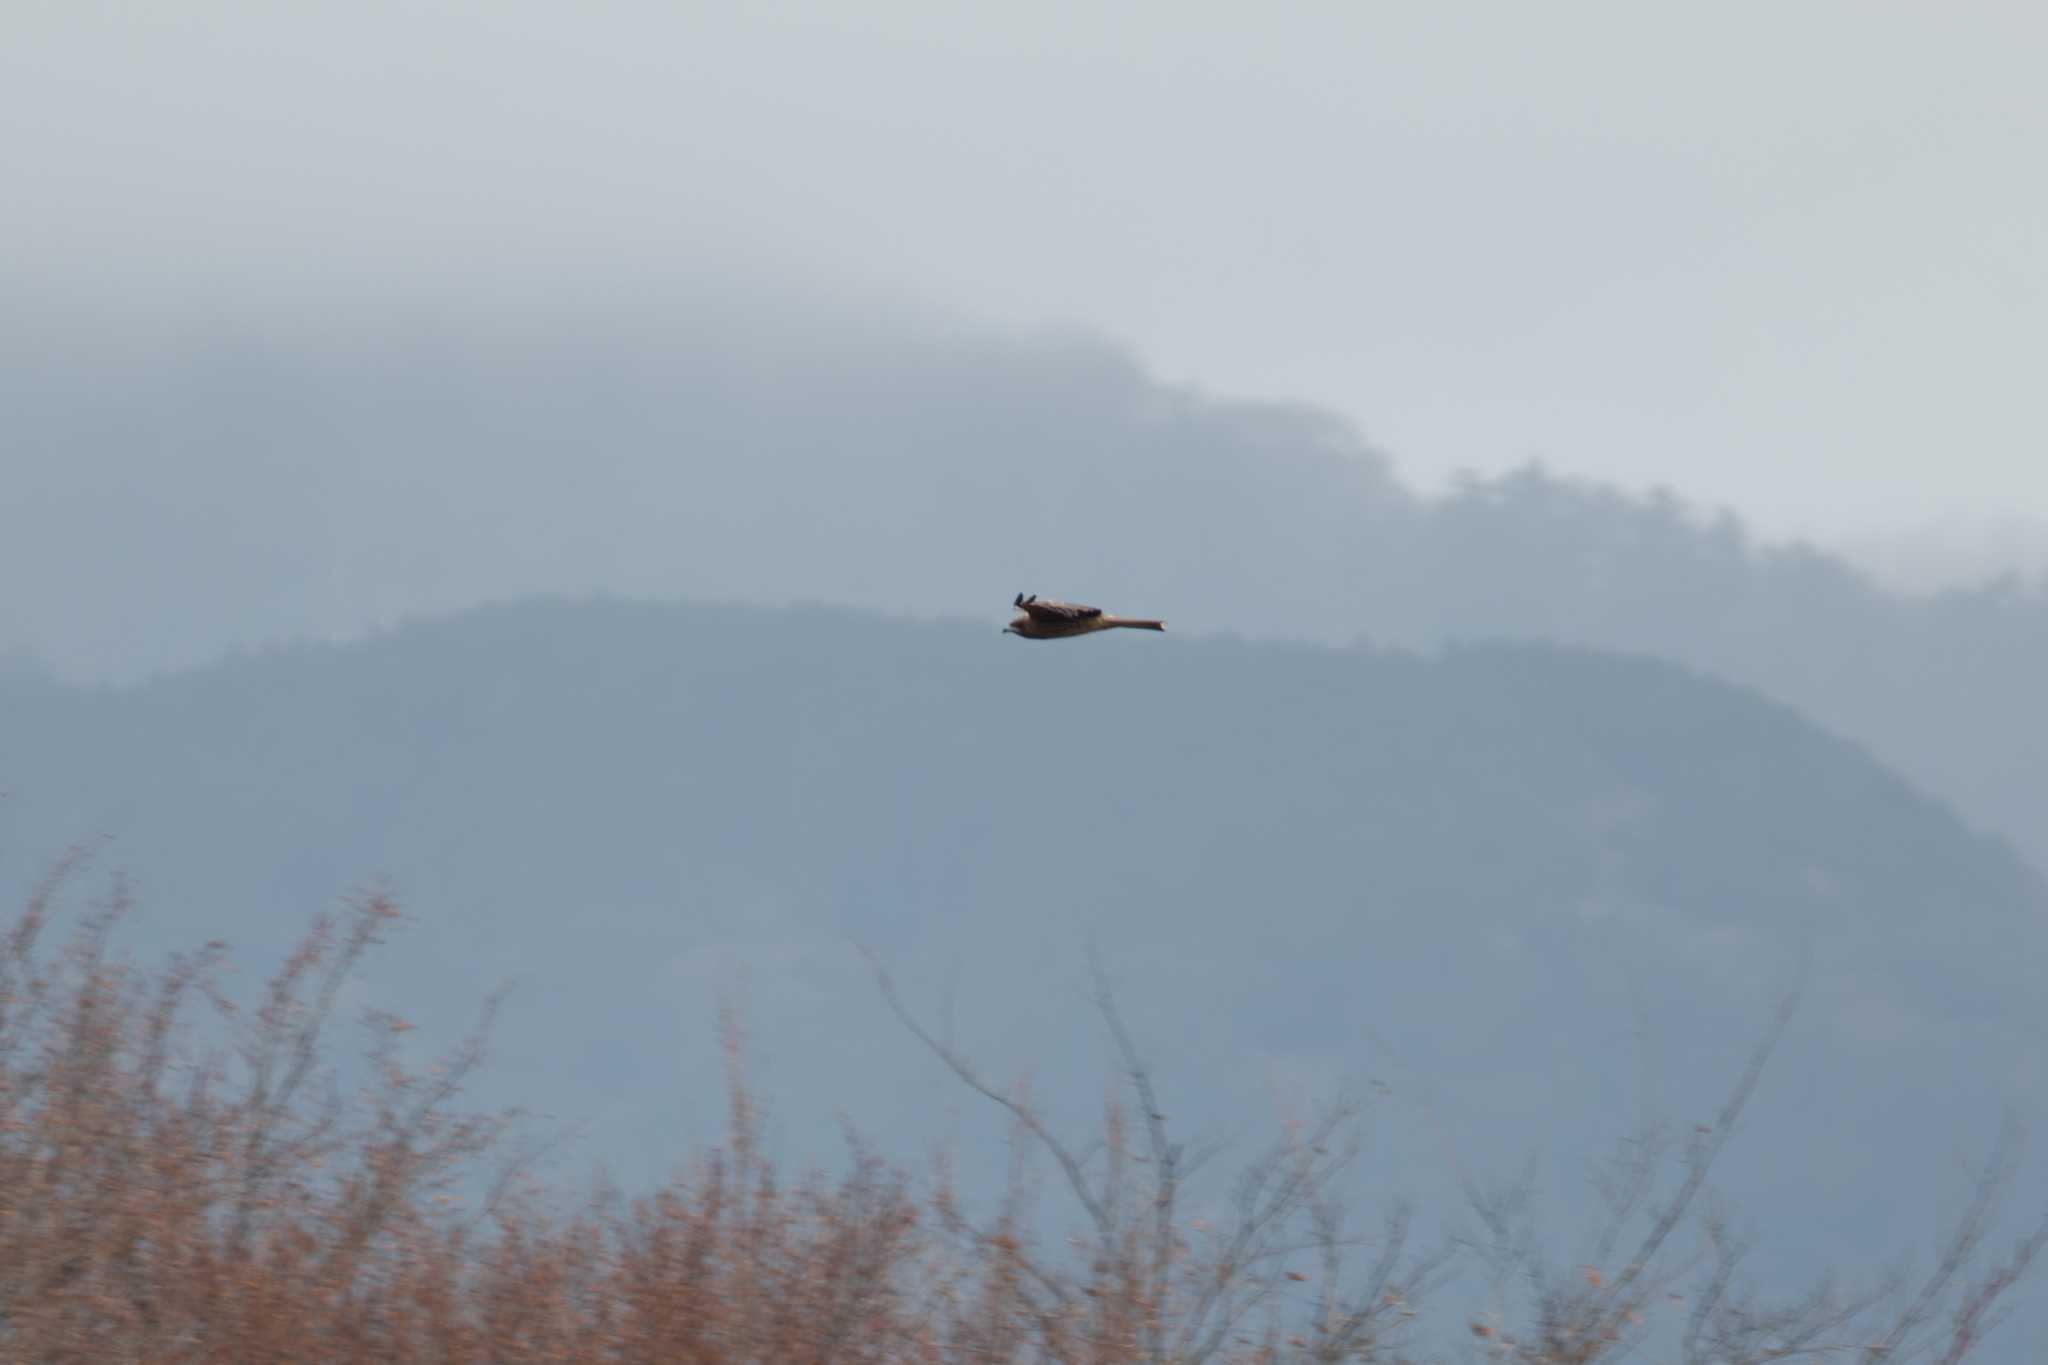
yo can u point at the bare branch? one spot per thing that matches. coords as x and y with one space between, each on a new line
1077 1178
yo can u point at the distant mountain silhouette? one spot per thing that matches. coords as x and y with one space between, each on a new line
1536 892
169 501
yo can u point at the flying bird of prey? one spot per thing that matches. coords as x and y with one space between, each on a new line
1057 620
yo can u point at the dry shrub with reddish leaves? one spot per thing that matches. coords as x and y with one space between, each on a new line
166 1200
234 1207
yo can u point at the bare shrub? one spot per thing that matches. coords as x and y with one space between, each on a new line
1145 1293
182 1178
1145 1290
163 1205
161 1201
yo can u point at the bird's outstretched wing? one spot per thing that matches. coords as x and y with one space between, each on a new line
1056 611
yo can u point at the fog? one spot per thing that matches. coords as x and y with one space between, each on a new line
568 466
1790 262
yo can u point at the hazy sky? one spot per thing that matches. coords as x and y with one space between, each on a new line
1793 258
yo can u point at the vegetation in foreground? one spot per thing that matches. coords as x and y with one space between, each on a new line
182 1177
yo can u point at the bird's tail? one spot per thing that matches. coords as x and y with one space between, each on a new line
1130 623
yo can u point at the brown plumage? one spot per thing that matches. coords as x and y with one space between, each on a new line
1058 620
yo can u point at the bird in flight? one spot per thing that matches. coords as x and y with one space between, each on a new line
1057 620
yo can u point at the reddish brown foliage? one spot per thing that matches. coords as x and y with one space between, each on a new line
165 1201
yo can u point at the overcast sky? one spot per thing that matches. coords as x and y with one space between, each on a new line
1789 257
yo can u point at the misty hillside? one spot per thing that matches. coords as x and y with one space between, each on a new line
175 497
1531 891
